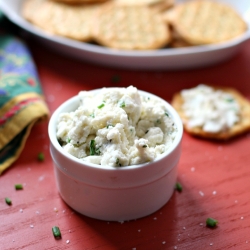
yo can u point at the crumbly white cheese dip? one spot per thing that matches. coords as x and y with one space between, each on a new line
212 109
117 127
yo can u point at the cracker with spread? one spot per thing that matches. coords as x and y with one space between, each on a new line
213 112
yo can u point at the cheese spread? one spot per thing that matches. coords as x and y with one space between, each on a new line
117 127
211 109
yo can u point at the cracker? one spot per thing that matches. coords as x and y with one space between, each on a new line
157 5
80 1
130 28
72 21
163 5
237 129
138 2
206 22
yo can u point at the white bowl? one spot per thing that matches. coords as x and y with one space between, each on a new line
114 194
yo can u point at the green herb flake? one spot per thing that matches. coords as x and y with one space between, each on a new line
93 149
122 105
40 156
8 201
229 100
115 79
56 232
101 106
158 121
166 114
210 222
92 115
178 187
18 186
118 162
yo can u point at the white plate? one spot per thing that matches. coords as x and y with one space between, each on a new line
167 58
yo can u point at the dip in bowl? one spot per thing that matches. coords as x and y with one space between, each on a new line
115 152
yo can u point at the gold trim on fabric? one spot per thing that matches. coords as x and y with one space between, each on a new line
20 120
11 103
13 158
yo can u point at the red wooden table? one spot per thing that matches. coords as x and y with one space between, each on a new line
215 175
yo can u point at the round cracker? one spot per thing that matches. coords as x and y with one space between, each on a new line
72 21
206 22
239 128
130 28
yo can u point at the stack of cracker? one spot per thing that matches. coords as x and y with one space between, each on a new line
136 24
201 22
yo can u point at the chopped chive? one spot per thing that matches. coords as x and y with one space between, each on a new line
178 186
122 105
166 114
229 100
101 106
56 232
118 162
93 149
18 186
8 201
210 222
40 157
68 140
115 79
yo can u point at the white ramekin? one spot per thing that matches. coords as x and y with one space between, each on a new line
114 194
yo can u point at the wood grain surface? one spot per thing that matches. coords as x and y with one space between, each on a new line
215 175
